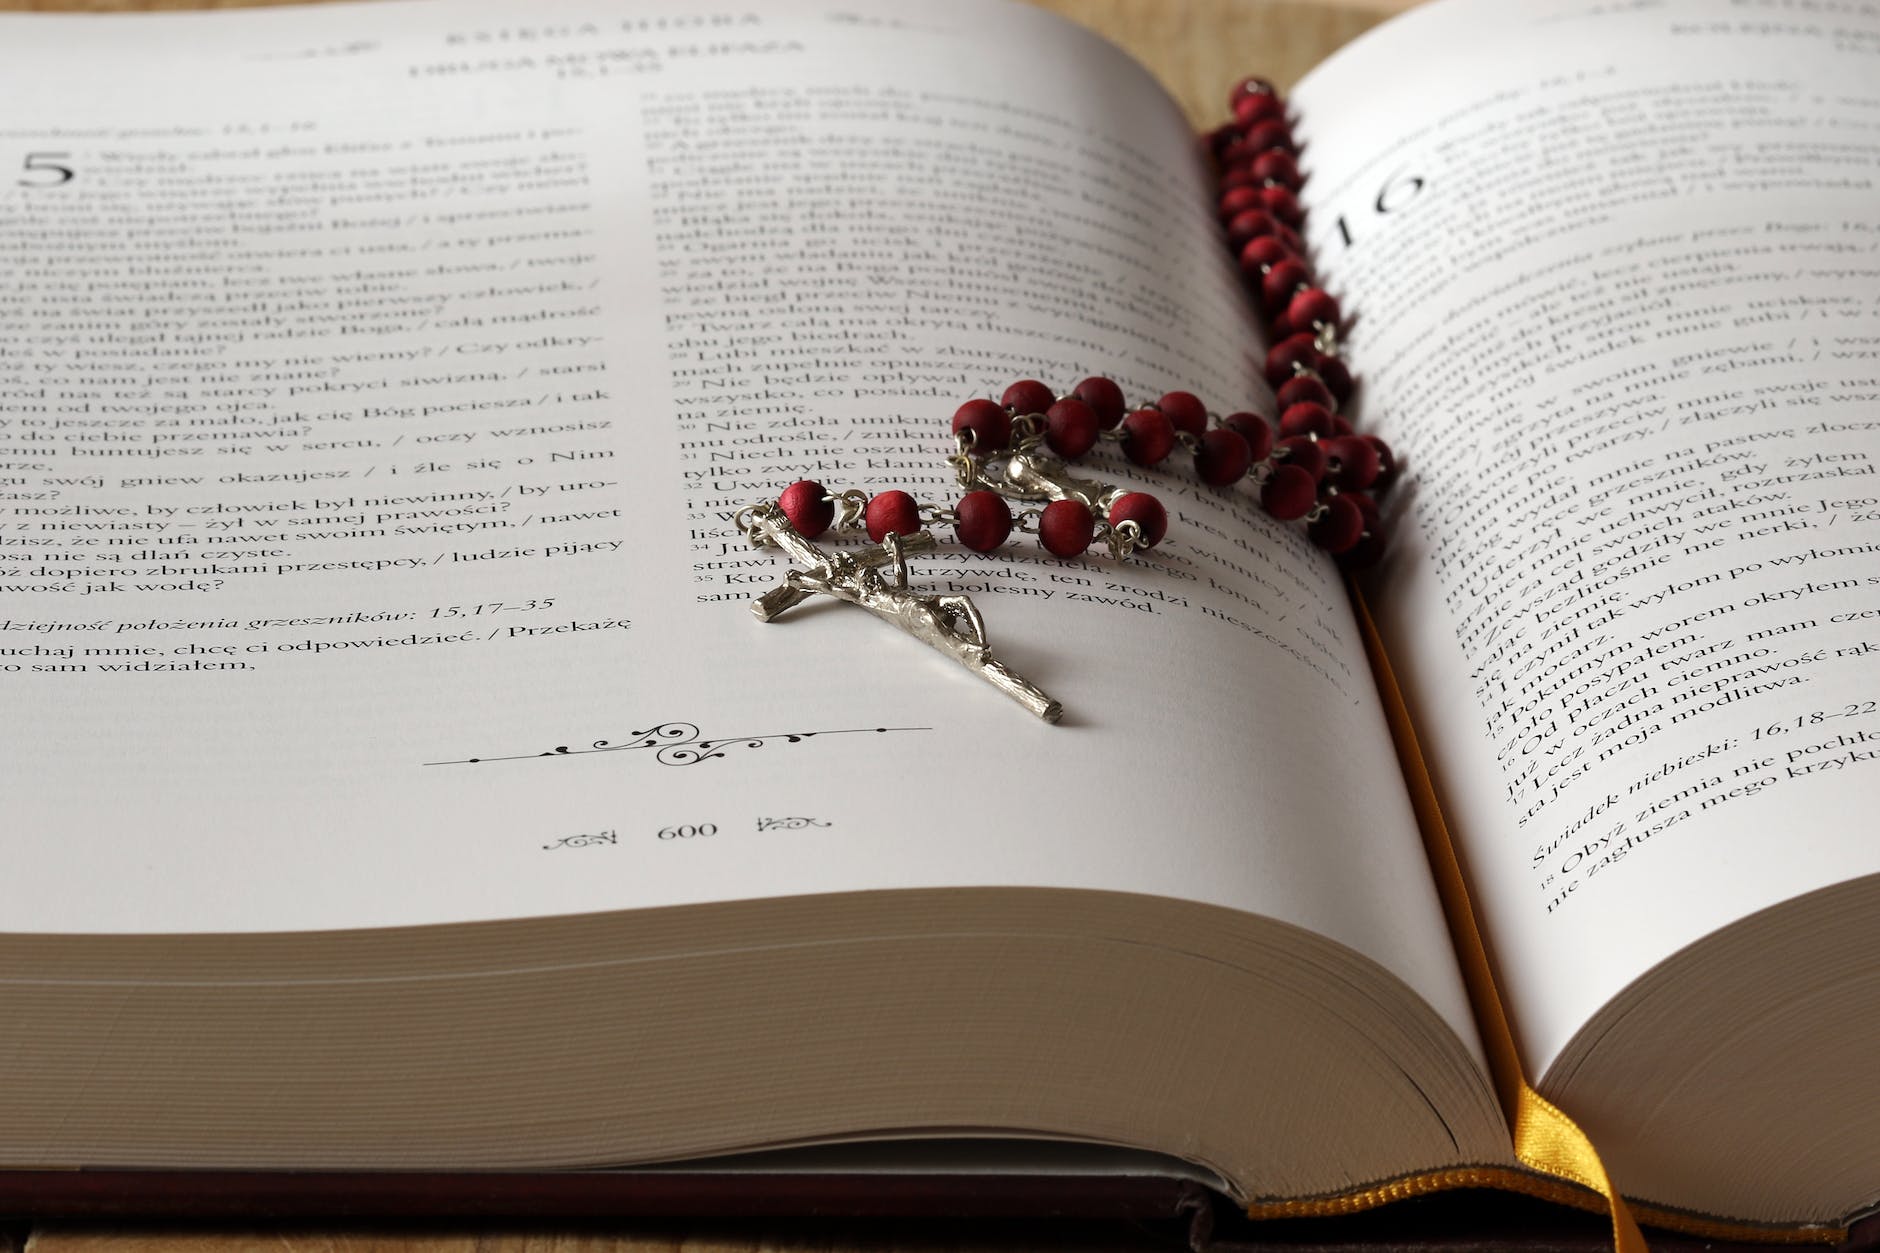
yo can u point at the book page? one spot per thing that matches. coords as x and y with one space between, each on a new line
373 449
1613 270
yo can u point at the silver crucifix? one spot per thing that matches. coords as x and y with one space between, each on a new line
948 624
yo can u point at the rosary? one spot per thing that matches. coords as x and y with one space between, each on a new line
1316 469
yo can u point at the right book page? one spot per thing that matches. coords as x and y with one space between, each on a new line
1614 274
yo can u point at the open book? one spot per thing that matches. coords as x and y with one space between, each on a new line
396 778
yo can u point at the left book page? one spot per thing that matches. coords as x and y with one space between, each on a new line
378 386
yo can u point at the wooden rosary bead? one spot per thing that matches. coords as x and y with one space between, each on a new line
1239 154
1311 306
808 507
990 424
1279 283
1185 411
1306 419
1254 429
1105 399
1146 512
1337 377
1388 467
1262 252
1371 545
1304 389
1148 437
1244 228
1240 199
1253 107
1222 456
1350 462
1282 204
1301 349
1302 452
1288 493
1339 526
1066 528
1268 135
1070 428
1277 166
983 520
891 511
1028 396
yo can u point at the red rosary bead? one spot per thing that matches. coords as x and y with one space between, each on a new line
1301 349
1263 251
1146 512
1105 399
1288 493
990 424
1312 306
1387 464
1070 428
1222 456
1243 229
1279 283
982 520
1027 396
1350 462
1270 134
1337 378
808 507
1066 527
1370 546
1303 453
1240 154
1304 389
1255 107
1148 436
1254 429
1338 527
1240 199
1282 204
1306 419
1277 166
891 511
1185 411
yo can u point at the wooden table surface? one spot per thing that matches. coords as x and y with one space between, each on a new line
1198 48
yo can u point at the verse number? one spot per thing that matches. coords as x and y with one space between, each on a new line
1398 190
43 169
689 831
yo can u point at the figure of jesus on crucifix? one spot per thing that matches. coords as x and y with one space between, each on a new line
949 624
